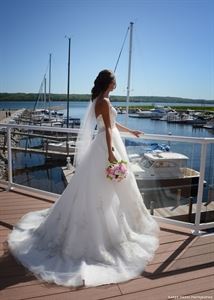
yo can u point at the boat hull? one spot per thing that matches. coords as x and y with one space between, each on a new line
186 187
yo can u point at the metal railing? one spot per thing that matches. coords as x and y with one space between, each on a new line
196 227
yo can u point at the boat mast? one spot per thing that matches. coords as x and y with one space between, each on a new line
129 71
45 92
49 92
68 84
68 90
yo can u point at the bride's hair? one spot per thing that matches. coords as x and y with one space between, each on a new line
101 83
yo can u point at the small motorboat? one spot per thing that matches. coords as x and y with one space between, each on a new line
160 169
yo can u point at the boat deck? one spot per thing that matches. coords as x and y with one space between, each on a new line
183 264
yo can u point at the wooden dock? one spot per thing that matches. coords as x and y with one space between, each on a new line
5 119
42 151
183 264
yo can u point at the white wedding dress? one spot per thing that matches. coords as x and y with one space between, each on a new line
98 231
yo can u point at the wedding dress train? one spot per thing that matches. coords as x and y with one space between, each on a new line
98 231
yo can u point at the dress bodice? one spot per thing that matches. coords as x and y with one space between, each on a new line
100 122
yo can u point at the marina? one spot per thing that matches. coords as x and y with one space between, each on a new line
56 145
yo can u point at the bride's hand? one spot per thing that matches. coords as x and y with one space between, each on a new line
136 133
112 158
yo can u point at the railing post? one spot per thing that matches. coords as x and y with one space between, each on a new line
190 208
196 231
9 157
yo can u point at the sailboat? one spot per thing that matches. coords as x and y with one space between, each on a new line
130 30
69 145
47 115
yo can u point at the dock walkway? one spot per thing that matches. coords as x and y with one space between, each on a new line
6 119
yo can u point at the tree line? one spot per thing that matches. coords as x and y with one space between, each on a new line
86 97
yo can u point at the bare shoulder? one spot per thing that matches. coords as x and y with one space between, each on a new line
102 106
106 102
103 103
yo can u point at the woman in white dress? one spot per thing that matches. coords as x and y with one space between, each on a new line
98 231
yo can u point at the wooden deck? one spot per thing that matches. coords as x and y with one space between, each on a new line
183 265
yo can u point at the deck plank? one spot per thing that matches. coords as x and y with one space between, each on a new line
58 292
187 287
161 280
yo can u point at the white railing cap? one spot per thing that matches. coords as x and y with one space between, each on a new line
166 137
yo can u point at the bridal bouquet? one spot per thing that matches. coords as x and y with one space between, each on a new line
117 171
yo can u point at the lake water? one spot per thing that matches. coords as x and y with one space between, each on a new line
77 104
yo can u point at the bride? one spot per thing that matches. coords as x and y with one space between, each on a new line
98 231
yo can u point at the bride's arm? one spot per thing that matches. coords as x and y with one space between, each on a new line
126 129
105 111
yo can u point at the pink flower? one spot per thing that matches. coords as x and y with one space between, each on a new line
117 171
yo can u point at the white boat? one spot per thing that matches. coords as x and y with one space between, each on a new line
37 115
62 146
159 169
144 114
11 121
120 110
44 118
164 118
154 113
173 116
184 118
209 124
159 112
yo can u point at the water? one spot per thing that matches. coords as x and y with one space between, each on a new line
77 104
39 177
32 169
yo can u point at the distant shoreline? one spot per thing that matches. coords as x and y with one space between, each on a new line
147 107
32 97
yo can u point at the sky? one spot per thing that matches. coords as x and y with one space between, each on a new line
172 55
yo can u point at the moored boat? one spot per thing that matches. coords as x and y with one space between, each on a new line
159 169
